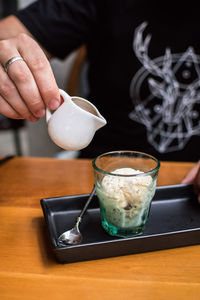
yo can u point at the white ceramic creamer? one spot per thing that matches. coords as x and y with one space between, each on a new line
73 125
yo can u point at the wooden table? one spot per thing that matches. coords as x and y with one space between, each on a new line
28 269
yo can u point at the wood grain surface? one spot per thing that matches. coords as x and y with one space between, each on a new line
28 269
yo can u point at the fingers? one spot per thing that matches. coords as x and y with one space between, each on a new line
8 111
11 103
28 86
189 178
194 177
197 183
41 71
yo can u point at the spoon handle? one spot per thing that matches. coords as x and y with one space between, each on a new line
86 205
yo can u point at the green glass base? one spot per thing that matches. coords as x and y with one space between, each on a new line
122 232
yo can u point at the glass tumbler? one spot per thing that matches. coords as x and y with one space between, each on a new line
125 185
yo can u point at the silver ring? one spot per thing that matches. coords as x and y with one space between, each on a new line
12 60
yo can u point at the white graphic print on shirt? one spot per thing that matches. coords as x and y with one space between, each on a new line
170 109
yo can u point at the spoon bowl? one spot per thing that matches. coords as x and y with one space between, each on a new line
73 236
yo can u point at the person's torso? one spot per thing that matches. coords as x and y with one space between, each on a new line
144 75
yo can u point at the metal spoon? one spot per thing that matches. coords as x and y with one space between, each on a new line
73 236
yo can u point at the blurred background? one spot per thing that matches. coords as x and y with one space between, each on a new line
26 138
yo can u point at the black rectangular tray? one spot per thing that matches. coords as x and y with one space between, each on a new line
174 221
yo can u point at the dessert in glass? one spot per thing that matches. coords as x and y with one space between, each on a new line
125 185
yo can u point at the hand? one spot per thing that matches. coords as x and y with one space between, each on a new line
194 177
29 86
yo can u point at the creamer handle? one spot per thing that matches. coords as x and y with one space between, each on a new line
48 115
65 97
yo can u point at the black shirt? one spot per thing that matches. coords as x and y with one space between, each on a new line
144 69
